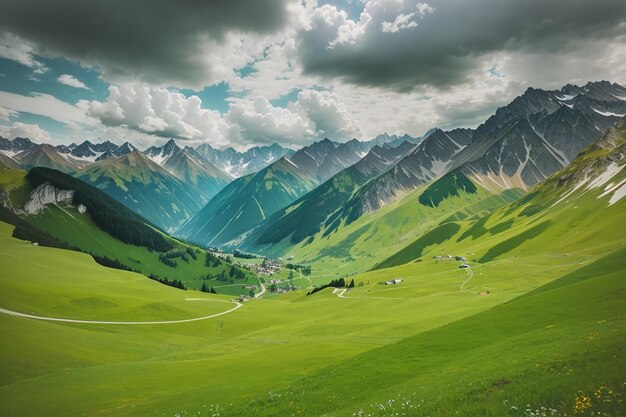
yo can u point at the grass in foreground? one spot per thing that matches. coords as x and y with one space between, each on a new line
160 370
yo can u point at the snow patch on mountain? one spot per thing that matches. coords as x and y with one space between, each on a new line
612 170
607 113
618 194
566 97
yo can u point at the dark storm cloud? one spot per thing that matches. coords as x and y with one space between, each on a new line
449 43
157 41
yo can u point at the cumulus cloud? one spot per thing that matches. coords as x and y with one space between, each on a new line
274 76
451 39
155 41
258 121
159 112
348 31
72 81
23 130
163 113
327 114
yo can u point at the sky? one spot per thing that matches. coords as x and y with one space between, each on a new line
241 73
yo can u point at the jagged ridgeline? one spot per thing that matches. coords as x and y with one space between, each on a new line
106 212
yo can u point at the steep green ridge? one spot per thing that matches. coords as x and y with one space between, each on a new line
106 212
376 236
146 188
308 215
585 197
447 186
413 251
245 203
108 229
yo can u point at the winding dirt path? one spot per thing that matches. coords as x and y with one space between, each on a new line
470 274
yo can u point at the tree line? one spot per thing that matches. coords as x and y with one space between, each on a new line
107 213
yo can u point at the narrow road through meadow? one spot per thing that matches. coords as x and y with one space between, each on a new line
63 320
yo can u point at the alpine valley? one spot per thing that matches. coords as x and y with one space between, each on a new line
465 272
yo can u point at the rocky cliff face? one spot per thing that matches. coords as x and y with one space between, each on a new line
46 194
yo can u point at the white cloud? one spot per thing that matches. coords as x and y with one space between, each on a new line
313 115
273 76
375 110
43 105
6 114
255 120
72 81
327 114
22 130
405 21
16 49
159 112
348 31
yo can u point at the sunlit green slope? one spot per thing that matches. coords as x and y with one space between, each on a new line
107 229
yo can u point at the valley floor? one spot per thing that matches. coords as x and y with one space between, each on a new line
365 352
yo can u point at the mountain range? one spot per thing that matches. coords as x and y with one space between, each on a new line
255 198
523 143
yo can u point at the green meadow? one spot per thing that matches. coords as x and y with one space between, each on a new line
534 327
431 345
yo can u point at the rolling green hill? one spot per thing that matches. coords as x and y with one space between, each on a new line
556 351
107 229
146 188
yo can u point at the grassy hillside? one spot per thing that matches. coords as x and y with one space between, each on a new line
262 346
555 352
70 284
443 339
309 214
263 351
374 237
535 326
108 229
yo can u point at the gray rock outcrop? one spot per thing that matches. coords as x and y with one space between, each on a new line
46 194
